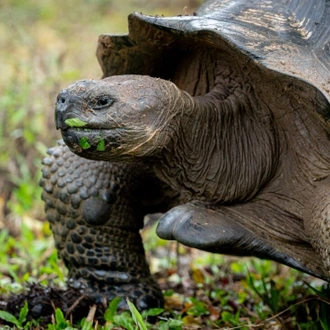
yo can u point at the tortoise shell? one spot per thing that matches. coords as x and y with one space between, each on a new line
289 37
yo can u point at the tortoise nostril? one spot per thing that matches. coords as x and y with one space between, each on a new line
62 98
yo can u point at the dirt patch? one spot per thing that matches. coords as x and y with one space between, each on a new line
43 301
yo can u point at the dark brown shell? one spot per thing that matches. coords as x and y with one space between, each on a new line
289 37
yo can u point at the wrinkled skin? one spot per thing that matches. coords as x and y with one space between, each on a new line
96 210
250 164
144 117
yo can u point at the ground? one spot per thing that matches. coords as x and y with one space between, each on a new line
202 290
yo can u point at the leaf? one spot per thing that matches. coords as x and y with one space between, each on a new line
23 312
274 297
124 320
100 145
198 276
152 312
84 143
197 307
191 320
175 323
87 325
137 317
162 325
226 316
170 324
60 319
174 301
10 318
112 309
88 322
75 122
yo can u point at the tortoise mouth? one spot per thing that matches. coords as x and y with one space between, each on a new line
92 140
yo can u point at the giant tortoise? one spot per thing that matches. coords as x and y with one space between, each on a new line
225 114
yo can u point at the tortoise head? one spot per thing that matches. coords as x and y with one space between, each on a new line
116 118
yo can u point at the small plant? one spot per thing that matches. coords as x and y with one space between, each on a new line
137 317
60 323
19 323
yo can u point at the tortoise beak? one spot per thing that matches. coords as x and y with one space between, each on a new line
61 110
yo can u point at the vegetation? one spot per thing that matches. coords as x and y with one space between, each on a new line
202 291
44 46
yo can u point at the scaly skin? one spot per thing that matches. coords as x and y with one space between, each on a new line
96 210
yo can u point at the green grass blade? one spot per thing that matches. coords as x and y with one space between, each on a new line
10 318
137 317
112 309
152 312
125 320
23 313
88 325
59 317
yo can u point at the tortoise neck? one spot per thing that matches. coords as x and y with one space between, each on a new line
226 151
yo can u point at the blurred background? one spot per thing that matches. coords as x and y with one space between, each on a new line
44 46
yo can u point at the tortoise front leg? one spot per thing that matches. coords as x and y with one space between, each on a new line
95 217
217 230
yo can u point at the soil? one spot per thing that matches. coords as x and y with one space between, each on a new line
43 301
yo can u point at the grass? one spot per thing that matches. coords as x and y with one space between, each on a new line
44 46
202 291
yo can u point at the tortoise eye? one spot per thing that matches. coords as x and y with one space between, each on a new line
102 102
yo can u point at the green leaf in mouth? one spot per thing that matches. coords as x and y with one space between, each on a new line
84 143
75 122
100 145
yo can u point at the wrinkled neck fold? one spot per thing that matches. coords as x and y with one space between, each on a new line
221 149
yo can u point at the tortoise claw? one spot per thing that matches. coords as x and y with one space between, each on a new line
204 229
171 221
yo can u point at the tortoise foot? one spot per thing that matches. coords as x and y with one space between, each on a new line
143 295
